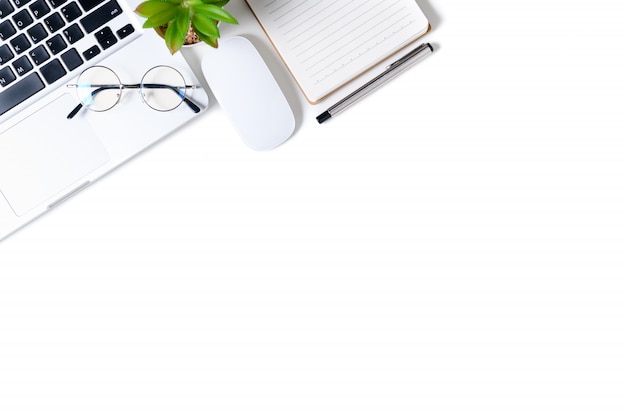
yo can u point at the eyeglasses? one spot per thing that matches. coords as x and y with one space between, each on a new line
162 88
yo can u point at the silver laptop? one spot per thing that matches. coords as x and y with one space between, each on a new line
46 157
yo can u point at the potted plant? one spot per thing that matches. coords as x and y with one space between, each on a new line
179 20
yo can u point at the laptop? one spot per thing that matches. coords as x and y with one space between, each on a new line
46 158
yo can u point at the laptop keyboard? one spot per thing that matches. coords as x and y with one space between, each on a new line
43 41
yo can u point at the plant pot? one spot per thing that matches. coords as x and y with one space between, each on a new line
191 38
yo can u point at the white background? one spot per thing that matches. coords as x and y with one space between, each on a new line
452 245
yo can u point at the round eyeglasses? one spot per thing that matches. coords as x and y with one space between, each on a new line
162 88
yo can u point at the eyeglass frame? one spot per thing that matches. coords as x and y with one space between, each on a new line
121 86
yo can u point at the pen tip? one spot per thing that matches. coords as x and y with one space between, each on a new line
323 117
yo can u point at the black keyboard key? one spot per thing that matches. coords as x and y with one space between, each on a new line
71 11
108 42
72 59
20 3
90 4
52 71
20 43
105 37
54 22
37 33
22 19
125 31
91 52
103 33
20 91
73 33
5 8
5 54
100 16
7 30
39 55
22 65
56 44
6 76
57 3
39 8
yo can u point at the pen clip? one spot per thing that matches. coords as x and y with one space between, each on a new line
410 55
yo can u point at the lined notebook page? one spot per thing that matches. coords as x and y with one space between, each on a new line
327 43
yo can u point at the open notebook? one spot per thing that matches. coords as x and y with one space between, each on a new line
327 43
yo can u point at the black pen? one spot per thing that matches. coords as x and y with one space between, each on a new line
391 71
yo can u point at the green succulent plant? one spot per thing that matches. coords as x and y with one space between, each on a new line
180 15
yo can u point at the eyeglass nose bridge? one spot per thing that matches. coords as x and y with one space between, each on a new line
130 86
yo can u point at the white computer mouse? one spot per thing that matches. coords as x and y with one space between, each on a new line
248 93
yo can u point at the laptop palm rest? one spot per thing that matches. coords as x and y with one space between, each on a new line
46 154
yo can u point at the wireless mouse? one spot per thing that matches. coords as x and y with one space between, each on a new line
248 93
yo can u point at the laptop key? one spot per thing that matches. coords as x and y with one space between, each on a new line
37 33
105 37
125 31
72 59
20 3
91 52
100 16
5 8
20 43
39 8
22 19
6 76
22 65
52 71
89 4
7 30
57 3
54 22
39 55
71 11
56 44
5 54
20 91
73 33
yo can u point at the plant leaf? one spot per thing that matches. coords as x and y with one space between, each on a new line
210 40
174 37
219 3
205 25
152 7
162 18
214 12
182 20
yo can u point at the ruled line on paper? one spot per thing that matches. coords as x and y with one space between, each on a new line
352 27
335 28
328 42
317 22
358 36
290 11
280 5
340 65
365 44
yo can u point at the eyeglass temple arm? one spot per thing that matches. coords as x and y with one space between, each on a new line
193 106
93 94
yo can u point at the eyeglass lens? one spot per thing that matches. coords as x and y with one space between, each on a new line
163 88
98 88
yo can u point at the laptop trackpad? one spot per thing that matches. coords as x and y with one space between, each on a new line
46 153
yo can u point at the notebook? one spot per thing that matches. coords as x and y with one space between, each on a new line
327 43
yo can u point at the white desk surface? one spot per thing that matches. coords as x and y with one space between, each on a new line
452 245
